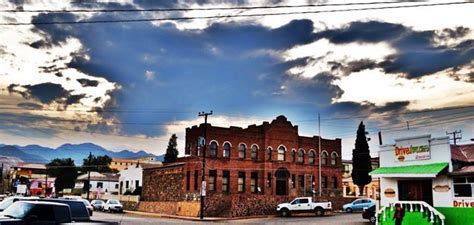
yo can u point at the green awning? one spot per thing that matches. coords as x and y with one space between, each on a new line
426 170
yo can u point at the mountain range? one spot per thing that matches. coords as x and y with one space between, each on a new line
40 154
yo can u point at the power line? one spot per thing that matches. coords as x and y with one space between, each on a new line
197 9
225 16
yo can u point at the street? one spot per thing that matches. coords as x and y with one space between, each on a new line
338 218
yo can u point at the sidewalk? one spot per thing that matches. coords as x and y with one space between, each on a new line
189 218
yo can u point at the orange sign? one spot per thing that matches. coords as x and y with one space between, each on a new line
412 152
463 204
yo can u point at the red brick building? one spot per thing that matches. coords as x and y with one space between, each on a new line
270 159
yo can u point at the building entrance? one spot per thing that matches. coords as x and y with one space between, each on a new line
415 190
282 175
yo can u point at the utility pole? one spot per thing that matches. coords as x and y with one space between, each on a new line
203 184
455 135
89 176
46 184
319 147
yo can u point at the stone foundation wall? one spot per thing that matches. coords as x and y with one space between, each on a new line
132 206
163 184
171 208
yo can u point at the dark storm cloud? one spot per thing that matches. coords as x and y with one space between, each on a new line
73 99
417 51
46 92
316 90
392 107
29 105
88 83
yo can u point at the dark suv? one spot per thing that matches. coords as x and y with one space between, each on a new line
369 213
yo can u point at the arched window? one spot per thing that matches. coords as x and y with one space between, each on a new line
334 158
242 151
311 156
324 158
226 153
293 155
281 153
269 153
213 148
301 156
254 152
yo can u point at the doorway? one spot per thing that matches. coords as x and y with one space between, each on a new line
415 190
282 175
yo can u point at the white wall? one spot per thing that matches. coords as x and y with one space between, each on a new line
131 174
443 199
388 183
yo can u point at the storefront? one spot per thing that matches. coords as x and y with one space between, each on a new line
430 170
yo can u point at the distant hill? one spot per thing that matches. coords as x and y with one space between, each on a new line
37 153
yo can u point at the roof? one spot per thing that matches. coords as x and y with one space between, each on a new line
96 176
26 165
164 166
464 153
464 170
425 170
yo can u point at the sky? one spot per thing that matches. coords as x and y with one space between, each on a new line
130 85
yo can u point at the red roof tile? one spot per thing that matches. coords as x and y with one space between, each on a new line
463 153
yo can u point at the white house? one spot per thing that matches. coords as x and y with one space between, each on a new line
100 184
132 177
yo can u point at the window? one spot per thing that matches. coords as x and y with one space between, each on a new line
333 158
311 157
334 182
116 186
324 158
212 180
293 181
269 179
304 201
281 153
324 182
241 151
213 149
254 182
301 156
225 181
101 185
293 155
269 154
241 182
254 152
188 180
226 152
301 182
196 180
463 186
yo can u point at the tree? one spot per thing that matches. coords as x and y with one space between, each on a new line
361 161
97 163
65 172
172 150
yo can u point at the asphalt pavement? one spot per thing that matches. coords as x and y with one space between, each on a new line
336 218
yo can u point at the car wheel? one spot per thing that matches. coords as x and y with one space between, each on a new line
349 210
285 212
373 219
319 212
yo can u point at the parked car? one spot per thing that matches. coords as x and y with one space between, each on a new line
34 212
358 205
10 200
369 213
98 204
43 212
79 211
88 206
113 205
304 205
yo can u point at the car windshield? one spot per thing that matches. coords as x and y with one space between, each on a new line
98 202
6 202
113 202
18 210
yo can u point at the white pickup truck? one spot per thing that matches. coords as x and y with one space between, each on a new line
304 205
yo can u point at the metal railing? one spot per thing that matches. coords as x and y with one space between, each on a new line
411 206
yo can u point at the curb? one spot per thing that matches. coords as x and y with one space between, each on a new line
215 219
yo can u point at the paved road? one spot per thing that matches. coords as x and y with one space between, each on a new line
350 219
